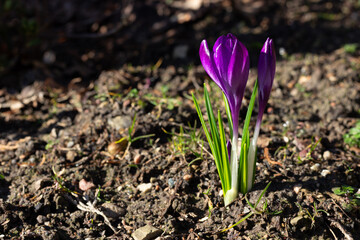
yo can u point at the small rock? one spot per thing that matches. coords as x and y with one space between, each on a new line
70 144
187 177
39 184
325 172
85 185
16 105
53 133
137 159
315 167
246 210
146 233
327 155
297 189
144 187
49 57
171 183
71 155
41 219
120 122
112 211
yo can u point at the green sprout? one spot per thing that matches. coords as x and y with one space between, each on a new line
313 215
351 200
129 139
187 142
352 138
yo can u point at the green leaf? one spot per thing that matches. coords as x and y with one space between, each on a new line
228 114
210 141
245 143
141 137
224 155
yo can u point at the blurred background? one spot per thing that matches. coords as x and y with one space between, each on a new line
54 42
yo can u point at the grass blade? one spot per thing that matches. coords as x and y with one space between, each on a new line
241 220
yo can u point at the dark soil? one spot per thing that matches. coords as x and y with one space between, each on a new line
74 75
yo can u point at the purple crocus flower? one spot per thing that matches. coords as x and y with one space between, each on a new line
266 73
228 66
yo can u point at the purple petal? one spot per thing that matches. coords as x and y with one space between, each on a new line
266 71
238 71
222 55
207 60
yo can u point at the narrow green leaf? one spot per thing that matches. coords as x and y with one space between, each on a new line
132 127
262 194
245 143
142 136
224 155
250 109
228 114
213 128
243 219
210 141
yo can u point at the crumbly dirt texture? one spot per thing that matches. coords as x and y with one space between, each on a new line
77 75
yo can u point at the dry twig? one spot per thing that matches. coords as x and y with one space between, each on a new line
90 207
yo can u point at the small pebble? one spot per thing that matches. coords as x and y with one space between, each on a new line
32 159
327 155
246 210
71 155
70 144
41 219
315 167
297 189
187 177
146 233
171 183
221 193
144 187
85 185
137 159
325 172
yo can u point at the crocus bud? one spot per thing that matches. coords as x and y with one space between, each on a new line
228 66
266 72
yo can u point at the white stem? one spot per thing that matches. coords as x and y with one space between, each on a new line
252 156
251 163
232 194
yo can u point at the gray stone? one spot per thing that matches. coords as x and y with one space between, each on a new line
120 122
146 233
112 211
41 219
39 184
